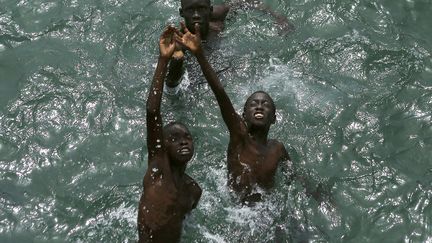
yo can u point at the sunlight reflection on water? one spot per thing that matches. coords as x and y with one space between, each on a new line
351 85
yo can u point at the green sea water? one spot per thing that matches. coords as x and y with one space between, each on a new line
352 86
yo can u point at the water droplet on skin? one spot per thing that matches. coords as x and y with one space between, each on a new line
155 170
158 146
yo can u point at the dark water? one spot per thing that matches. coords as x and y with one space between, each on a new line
352 85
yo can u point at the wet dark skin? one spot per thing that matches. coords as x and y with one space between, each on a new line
169 193
211 22
252 157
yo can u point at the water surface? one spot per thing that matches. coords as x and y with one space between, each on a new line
352 87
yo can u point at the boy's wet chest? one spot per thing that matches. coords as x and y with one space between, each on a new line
178 199
262 160
185 197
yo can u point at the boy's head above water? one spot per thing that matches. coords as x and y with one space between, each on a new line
178 143
196 11
259 110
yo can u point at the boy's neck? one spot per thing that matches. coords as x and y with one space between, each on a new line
178 172
259 135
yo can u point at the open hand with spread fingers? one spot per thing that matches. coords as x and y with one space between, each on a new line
167 43
189 40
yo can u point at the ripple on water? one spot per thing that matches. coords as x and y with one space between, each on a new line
351 85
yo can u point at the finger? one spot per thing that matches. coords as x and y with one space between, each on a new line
197 30
166 33
171 39
171 28
178 40
178 47
176 31
183 45
184 27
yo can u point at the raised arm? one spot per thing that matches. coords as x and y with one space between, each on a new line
282 21
229 115
154 119
175 68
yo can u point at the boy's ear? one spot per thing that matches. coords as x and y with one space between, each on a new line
274 119
181 12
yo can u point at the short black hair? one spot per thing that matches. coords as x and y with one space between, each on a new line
208 1
167 127
174 123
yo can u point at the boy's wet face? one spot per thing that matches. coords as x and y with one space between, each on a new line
196 11
179 144
259 110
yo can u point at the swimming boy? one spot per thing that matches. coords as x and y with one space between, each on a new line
211 22
169 193
252 157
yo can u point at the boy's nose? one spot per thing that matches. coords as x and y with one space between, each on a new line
196 15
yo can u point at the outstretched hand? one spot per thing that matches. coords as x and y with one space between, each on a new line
189 40
167 43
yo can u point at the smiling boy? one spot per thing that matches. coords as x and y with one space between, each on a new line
169 193
252 157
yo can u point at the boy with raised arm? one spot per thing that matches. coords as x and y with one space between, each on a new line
252 157
169 193
211 22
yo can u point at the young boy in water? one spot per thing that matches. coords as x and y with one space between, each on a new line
169 193
252 157
211 22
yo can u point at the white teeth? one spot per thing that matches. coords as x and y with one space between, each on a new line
259 116
184 151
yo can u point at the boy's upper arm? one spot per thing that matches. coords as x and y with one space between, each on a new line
153 113
175 71
154 134
231 118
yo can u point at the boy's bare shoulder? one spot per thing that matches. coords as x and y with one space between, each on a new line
276 143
